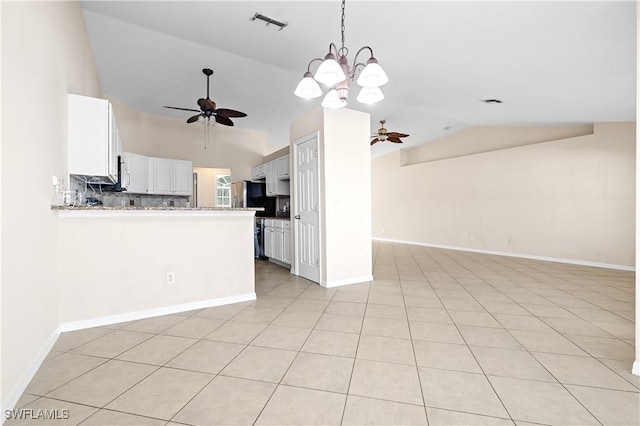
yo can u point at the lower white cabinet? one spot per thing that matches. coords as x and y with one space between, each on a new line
277 240
170 177
135 175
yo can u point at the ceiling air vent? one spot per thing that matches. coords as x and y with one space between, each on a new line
491 101
269 22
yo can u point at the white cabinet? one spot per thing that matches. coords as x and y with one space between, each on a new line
258 172
277 240
274 185
283 167
169 177
134 173
93 139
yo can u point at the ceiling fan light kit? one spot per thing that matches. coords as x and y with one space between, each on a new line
334 70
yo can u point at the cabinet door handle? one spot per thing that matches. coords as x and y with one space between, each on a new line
297 216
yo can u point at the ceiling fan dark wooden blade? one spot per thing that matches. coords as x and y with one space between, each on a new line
394 140
376 140
193 119
397 135
211 106
230 113
181 109
224 120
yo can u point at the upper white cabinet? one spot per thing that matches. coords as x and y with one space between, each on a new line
169 177
283 167
134 173
274 185
258 172
93 139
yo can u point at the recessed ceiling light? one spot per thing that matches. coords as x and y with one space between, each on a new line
491 101
269 22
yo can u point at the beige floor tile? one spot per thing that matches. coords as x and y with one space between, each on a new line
346 308
295 318
428 315
459 391
332 343
258 315
459 293
60 370
227 401
158 350
623 368
439 417
258 363
272 302
206 356
154 324
387 299
489 337
610 407
321 372
386 349
61 412
307 305
480 319
575 370
283 291
25 399
430 302
281 337
111 418
621 330
522 322
386 328
602 347
540 402
103 384
381 380
162 394
511 308
194 327
462 305
351 296
548 311
445 333
576 326
445 356
386 311
236 332
547 342
369 411
342 323
225 312
297 406
73 339
112 344
317 292
511 363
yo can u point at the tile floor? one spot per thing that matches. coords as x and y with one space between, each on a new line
440 337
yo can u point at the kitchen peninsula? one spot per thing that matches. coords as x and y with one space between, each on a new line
117 264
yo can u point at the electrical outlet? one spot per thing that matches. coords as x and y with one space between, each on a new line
171 278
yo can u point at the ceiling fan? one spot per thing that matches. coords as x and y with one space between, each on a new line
385 135
208 108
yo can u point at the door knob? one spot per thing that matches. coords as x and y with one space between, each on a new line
297 216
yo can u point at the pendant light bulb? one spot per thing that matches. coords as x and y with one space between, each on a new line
372 75
333 101
370 95
308 88
330 72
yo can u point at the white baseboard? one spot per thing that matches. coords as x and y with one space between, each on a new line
131 316
523 256
339 283
636 368
14 395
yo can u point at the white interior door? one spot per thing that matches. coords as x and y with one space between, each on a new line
307 209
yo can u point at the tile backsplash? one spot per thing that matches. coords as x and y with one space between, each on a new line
117 199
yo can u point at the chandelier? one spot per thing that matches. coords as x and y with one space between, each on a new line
335 73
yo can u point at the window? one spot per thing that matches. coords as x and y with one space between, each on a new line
223 190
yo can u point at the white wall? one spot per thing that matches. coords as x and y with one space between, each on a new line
228 148
45 54
345 192
211 255
569 199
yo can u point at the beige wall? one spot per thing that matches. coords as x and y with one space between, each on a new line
229 147
569 199
208 185
142 248
45 55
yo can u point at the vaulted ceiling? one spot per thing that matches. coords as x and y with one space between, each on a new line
549 62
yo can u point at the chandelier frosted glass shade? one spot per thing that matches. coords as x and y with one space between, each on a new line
308 88
330 72
372 75
370 95
333 101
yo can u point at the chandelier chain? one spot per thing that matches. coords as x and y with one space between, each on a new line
342 23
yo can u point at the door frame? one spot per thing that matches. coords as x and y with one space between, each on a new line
296 243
